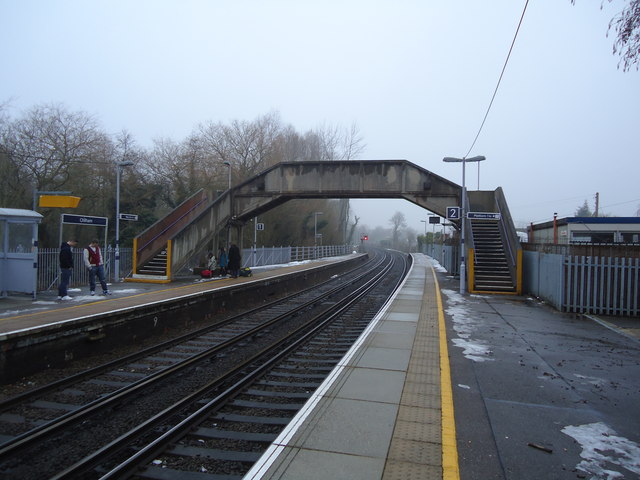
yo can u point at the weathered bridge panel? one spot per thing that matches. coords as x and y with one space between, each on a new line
344 179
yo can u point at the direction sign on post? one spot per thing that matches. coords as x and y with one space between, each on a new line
128 216
453 213
483 215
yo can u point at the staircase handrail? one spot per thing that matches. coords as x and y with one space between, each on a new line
508 229
162 228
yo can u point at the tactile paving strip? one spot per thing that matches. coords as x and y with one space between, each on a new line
416 446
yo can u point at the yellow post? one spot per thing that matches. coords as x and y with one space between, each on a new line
135 256
519 272
471 271
169 259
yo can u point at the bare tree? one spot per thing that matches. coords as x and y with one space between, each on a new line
47 146
626 25
247 146
397 221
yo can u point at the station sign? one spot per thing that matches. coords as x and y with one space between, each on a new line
483 216
59 201
84 220
453 213
434 219
128 216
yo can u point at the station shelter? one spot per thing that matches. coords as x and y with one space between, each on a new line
18 251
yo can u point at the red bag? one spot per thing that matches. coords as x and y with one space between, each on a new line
205 273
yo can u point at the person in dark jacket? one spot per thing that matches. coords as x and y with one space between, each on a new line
66 268
223 261
234 260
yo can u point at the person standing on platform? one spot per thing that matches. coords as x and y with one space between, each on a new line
93 261
223 261
66 268
234 260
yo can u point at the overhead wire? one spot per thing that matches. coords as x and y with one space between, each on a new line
495 92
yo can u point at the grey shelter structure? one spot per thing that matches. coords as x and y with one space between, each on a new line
18 250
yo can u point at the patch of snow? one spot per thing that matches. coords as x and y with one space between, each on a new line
465 326
10 313
601 448
591 380
436 265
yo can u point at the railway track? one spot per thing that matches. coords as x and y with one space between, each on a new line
162 409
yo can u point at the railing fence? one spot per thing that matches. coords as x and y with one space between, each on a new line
279 255
584 284
49 270
446 255
606 286
49 267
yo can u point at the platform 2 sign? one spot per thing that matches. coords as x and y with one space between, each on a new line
483 216
453 213
84 220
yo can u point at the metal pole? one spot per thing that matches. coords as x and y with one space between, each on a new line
255 238
315 233
116 270
463 273
463 213
119 166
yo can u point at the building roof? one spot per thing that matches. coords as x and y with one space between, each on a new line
19 212
588 220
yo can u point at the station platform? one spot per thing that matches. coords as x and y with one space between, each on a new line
386 411
20 313
537 393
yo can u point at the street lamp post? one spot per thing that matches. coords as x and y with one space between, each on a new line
463 213
228 164
425 236
119 167
315 233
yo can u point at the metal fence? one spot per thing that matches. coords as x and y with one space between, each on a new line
582 284
48 263
279 255
446 255
606 286
49 267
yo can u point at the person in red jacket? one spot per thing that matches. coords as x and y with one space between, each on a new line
93 261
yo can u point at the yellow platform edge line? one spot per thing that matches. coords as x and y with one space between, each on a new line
450 467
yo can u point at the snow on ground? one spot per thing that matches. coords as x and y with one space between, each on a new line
602 449
465 326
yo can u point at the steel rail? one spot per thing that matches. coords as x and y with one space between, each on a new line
82 412
316 323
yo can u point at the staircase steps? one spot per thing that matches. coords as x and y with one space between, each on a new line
491 269
154 269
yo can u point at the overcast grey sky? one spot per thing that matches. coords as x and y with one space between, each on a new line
416 76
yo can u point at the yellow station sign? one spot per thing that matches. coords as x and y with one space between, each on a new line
65 201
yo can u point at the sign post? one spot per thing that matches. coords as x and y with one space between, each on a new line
84 220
